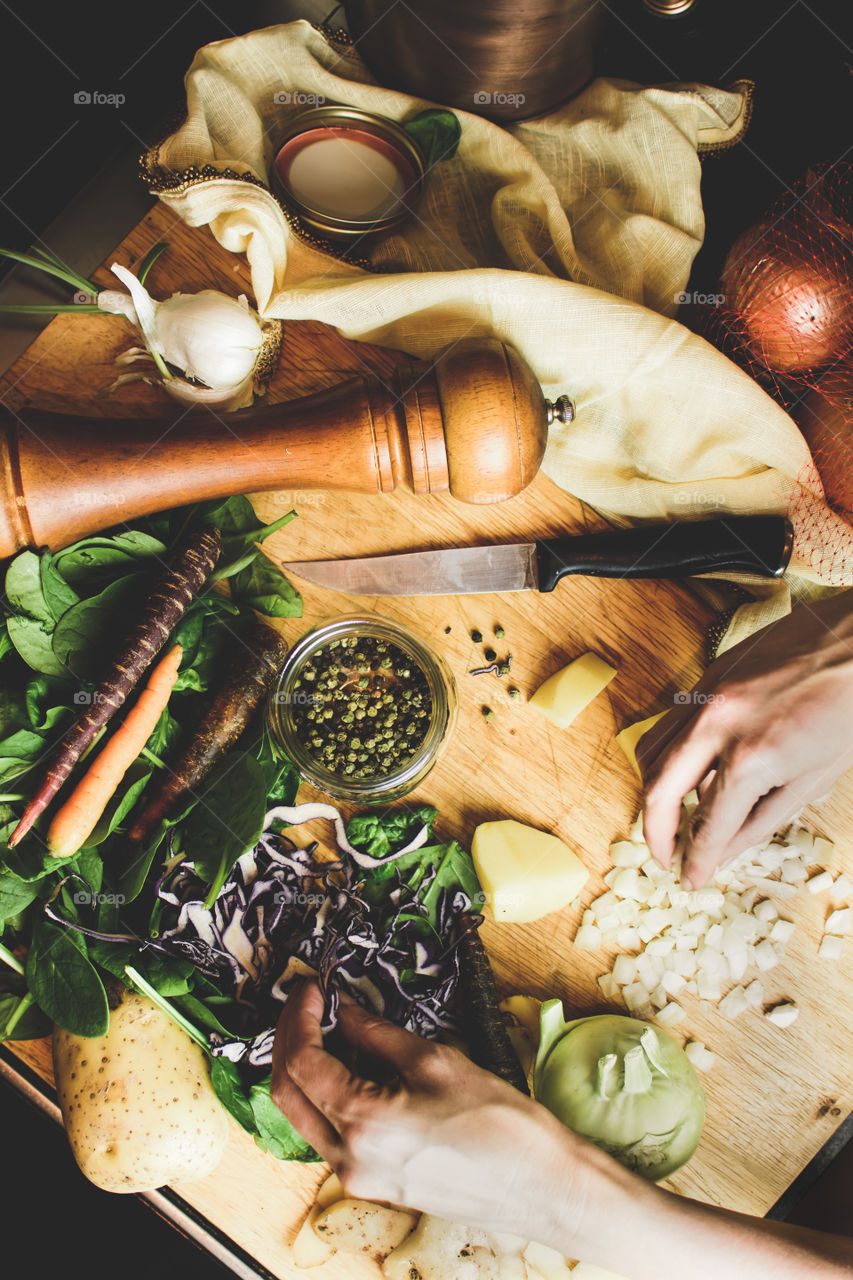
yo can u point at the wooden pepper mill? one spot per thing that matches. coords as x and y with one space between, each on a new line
473 421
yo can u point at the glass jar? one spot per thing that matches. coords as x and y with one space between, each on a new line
379 788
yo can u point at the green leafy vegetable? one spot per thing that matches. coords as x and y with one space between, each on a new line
64 984
437 132
227 820
275 1133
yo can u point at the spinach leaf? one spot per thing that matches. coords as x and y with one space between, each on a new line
24 588
32 1025
33 640
15 895
87 636
90 564
275 1132
59 597
64 984
199 1012
170 976
228 819
135 863
264 587
46 703
437 132
380 834
228 1087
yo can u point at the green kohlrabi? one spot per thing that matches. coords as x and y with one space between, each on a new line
623 1084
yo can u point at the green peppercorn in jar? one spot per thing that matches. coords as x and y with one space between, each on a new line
362 708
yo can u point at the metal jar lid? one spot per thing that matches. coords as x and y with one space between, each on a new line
669 8
330 226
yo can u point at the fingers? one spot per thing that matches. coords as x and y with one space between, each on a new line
679 769
719 820
381 1039
305 1079
770 813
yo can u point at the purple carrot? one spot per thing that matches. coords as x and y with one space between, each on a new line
191 565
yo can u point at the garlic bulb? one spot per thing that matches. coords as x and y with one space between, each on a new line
224 352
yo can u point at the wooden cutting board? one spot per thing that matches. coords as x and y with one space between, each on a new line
774 1096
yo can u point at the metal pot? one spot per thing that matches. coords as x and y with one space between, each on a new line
505 59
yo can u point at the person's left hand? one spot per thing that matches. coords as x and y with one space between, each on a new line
445 1137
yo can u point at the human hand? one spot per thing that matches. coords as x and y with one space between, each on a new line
767 729
445 1137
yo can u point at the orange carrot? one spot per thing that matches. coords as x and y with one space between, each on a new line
188 570
75 821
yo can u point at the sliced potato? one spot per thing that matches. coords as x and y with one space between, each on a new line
360 1226
310 1249
566 693
442 1250
525 873
138 1105
546 1262
629 738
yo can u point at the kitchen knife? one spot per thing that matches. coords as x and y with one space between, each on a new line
735 544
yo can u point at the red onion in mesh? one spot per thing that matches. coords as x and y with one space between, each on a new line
788 283
825 417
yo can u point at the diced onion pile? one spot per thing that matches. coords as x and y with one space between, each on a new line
714 943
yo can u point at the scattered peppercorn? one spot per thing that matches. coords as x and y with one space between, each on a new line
512 692
488 713
477 637
503 668
447 630
489 655
499 633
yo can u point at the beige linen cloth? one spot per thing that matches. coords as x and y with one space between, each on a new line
570 236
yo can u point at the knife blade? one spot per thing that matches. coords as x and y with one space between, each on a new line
743 544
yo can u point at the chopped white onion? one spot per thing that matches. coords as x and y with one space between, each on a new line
838 921
701 1058
782 931
842 888
670 1015
830 947
819 883
734 1004
782 1015
588 938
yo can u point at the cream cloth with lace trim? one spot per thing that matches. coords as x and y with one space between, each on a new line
570 236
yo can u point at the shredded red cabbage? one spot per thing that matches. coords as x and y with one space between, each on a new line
281 911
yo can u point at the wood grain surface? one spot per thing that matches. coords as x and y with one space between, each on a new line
774 1096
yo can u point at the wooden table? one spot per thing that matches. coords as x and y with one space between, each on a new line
775 1097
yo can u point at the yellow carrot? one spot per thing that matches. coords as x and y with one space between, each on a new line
76 820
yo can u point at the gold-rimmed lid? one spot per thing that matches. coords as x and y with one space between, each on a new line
396 144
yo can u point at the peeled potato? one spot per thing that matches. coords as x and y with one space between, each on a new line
138 1105
545 1262
360 1226
525 873
309 1249
441 1250
564 695
629 739
521 1014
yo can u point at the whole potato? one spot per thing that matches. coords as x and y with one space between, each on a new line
138 1105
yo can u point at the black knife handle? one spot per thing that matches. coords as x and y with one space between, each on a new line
738 544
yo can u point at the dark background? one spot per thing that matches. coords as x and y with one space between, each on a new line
799 56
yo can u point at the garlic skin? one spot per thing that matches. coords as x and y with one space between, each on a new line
218 342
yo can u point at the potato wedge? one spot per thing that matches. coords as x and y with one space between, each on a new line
309 1248
630 737
566 693
441 1250
547 1263
138 1105
360 1226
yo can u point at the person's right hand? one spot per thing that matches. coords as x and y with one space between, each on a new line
767 730
444 1136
